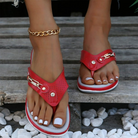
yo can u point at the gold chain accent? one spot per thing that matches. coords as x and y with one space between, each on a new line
109 55
45 33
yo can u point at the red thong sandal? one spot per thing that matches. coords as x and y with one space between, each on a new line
52 93
93 63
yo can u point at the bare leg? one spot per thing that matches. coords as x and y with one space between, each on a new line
97 26
47 61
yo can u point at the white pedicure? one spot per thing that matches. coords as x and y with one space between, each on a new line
32 113
35 118
116 77
104 80
89 78
46 123
58 121
99 81
41 121
111 79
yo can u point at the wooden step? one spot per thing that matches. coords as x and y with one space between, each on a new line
15 51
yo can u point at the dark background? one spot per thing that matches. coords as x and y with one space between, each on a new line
69 7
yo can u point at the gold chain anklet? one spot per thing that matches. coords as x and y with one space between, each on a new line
45 33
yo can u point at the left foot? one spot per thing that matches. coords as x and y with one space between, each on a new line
95 42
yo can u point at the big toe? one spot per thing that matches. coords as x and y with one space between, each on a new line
60 114
85 75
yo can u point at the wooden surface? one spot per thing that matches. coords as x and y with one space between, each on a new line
15 51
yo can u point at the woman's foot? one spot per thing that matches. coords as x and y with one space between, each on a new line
47 63
95 42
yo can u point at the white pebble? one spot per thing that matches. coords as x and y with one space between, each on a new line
126 133
65 136
83 136
105 131
123 111
41 136
101 134
136 107
16 118
76 134
128 114
88 114
70 133
33 133
112 111
6 112
101 111
9 117
135 118
23 121
104 116
133 122
135 113
119 132
18 113
29 127
22 115
94 112
1 115
136 125
2 121
22 133
113 136
126 118
86 121
97 122
8 129
95 131
127 126
133 130
90 135
111 132
15 133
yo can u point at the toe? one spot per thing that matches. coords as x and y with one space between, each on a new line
42 114
48 115
97 78
111 78
60 114
104 78
116 75
86 75
36 111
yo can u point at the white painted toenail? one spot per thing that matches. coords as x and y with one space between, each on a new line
89 78
111 79
46 123
35 118
41 121
31 113
116 77
58 121
98 80
104 80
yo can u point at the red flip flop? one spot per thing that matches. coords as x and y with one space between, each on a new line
93 63
52 93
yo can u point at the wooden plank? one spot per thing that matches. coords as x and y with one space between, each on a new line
126 92
67 32
19 71
64 21
18 56
128 42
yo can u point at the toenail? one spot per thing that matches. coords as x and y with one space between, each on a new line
41 121
116 77
104 80
46 123
58 121
111 79
35 118
31 113
89 78
99 81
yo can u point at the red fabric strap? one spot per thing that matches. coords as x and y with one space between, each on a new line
52 93
95 62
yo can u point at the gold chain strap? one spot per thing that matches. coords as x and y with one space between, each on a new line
109 55
45 33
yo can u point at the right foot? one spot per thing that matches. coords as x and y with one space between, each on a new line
47 63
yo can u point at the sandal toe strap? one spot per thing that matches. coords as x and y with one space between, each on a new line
52 93
95 62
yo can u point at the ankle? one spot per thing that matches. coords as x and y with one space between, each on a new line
100 23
